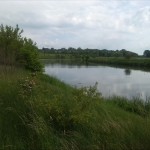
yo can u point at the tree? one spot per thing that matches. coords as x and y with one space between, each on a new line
10 43
146 53
17 50
28 55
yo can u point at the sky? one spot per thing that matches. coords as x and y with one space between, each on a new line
100 24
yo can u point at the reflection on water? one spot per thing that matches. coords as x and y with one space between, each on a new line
127 72
111 81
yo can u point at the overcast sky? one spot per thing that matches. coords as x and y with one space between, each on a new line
109 24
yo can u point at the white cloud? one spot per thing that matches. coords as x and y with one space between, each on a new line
81 23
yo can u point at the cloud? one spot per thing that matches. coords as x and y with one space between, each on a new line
99 24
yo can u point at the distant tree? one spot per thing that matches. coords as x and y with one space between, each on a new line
87 58
81 53
79 49
146 53
128 54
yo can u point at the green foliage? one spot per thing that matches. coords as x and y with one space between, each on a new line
10 43
146 53
28 55
79 52
40 112
120 61
26 87
136 105
16 50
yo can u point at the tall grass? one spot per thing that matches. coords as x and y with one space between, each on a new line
40 112
136 105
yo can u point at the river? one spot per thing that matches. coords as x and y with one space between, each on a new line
111 81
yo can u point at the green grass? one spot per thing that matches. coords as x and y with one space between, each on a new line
120 61
40 112
55 56
133 62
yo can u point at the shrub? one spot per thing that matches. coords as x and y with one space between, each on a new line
28 56
16 50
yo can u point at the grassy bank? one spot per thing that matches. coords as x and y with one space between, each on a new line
120 61
137 62
40 112
57 56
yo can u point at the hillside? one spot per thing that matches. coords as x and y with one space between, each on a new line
40 112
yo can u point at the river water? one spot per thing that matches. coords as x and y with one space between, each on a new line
111 81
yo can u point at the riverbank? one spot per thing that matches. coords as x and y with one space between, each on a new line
136 62
120 61
40 112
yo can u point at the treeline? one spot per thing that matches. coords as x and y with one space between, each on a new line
90 52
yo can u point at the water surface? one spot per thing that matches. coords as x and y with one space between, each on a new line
111 81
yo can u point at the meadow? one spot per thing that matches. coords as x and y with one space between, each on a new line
40 112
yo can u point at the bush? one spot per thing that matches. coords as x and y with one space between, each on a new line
28 56
17 50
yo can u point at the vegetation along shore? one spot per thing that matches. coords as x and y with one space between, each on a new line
108 57
40 112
